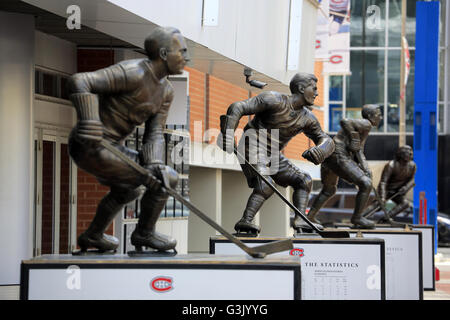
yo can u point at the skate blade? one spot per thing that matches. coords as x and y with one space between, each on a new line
93 252
152 253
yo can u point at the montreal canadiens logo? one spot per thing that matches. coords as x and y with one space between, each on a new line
336 59
161 284
318 44
297 252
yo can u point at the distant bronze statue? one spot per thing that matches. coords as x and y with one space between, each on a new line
396 180
287 115
349 163
110 103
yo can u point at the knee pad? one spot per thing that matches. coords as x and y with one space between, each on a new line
263 188
303 182
365 184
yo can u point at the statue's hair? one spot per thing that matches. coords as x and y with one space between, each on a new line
368 110
400 150
302 78
161 37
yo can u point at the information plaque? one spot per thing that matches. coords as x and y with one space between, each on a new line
403 262
332 269
428 266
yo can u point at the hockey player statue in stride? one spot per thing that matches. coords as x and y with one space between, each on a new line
287 115
110 103
349 163
395 182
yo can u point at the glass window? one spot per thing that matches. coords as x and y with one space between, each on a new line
393 94
395 22
368 23
366 83
336 88
335 117
49 85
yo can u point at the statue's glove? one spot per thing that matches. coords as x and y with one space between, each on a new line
314 155
355 142
160 175
225 139
89 127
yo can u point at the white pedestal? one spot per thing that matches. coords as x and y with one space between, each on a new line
428 267
183 277
403 262
332 269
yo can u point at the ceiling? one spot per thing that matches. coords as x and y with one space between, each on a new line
202 58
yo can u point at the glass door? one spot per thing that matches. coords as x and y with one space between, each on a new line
55 195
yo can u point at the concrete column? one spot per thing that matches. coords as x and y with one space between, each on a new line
206 194
274 216
16 142
235 193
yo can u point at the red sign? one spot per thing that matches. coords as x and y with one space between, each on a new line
297 252
161 284
336 59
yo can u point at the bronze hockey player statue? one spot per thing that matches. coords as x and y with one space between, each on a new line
289 115
396 180
110 103
348 162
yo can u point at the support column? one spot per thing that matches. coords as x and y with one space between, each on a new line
205 185
16 142
234 198
425 113
274 216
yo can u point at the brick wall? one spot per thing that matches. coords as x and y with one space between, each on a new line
197 99
90 192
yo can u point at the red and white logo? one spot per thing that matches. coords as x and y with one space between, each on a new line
318 44
336 59
161 284
298 252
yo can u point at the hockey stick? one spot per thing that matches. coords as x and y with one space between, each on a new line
256 252
323 234
372 211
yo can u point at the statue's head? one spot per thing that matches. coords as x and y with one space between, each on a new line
404 153
167 44
305 84
372 112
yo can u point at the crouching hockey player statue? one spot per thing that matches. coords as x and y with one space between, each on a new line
110 103
348 162
289 115
396 180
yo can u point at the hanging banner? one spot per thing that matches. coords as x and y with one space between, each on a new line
338 61
323 26
407 66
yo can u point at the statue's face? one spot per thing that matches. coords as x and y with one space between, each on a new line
407 154
375 119
310 93
177 56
